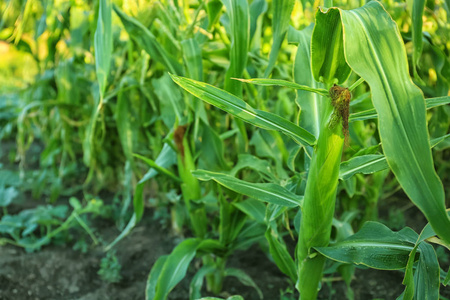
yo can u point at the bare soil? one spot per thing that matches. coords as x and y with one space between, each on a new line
60 273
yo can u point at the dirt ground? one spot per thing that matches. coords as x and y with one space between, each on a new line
60 273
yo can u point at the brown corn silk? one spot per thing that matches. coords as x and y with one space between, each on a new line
178 137
340 100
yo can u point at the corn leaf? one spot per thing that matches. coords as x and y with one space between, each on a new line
232 220
152 279
213 8
212 151
284 83
273 211
147 41
103 50
375 246
135 218
257 9
251 233
175 267
244 279
239 16
418 7
372 113
327 50
263 167
313 108
281 256
371 163
409 280
242 110
197 281
171 101
192 57
169 270
365 164
253 208
103 44
426 277
447 278
400 106
165 159
282 10
157 167
267 192
124 129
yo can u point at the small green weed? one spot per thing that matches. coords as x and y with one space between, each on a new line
110 268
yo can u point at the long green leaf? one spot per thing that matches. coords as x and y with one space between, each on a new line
368 164
165 159
212 151
171 101
282 10
426 277
172 269
213 8
152 279
327 51
313 108
263 167
281 256
253 208
375 246
192 56
284 83
147 41
374 47
103 51
239 16
257 9
426 259
103 44
267 192
244 279
372 113
242 110
418 7
124 129
365 164
197 281
157 167
175 267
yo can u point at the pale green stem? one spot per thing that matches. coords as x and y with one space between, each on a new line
318 209
328 3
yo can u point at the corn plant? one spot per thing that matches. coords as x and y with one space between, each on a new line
135 110
367 42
